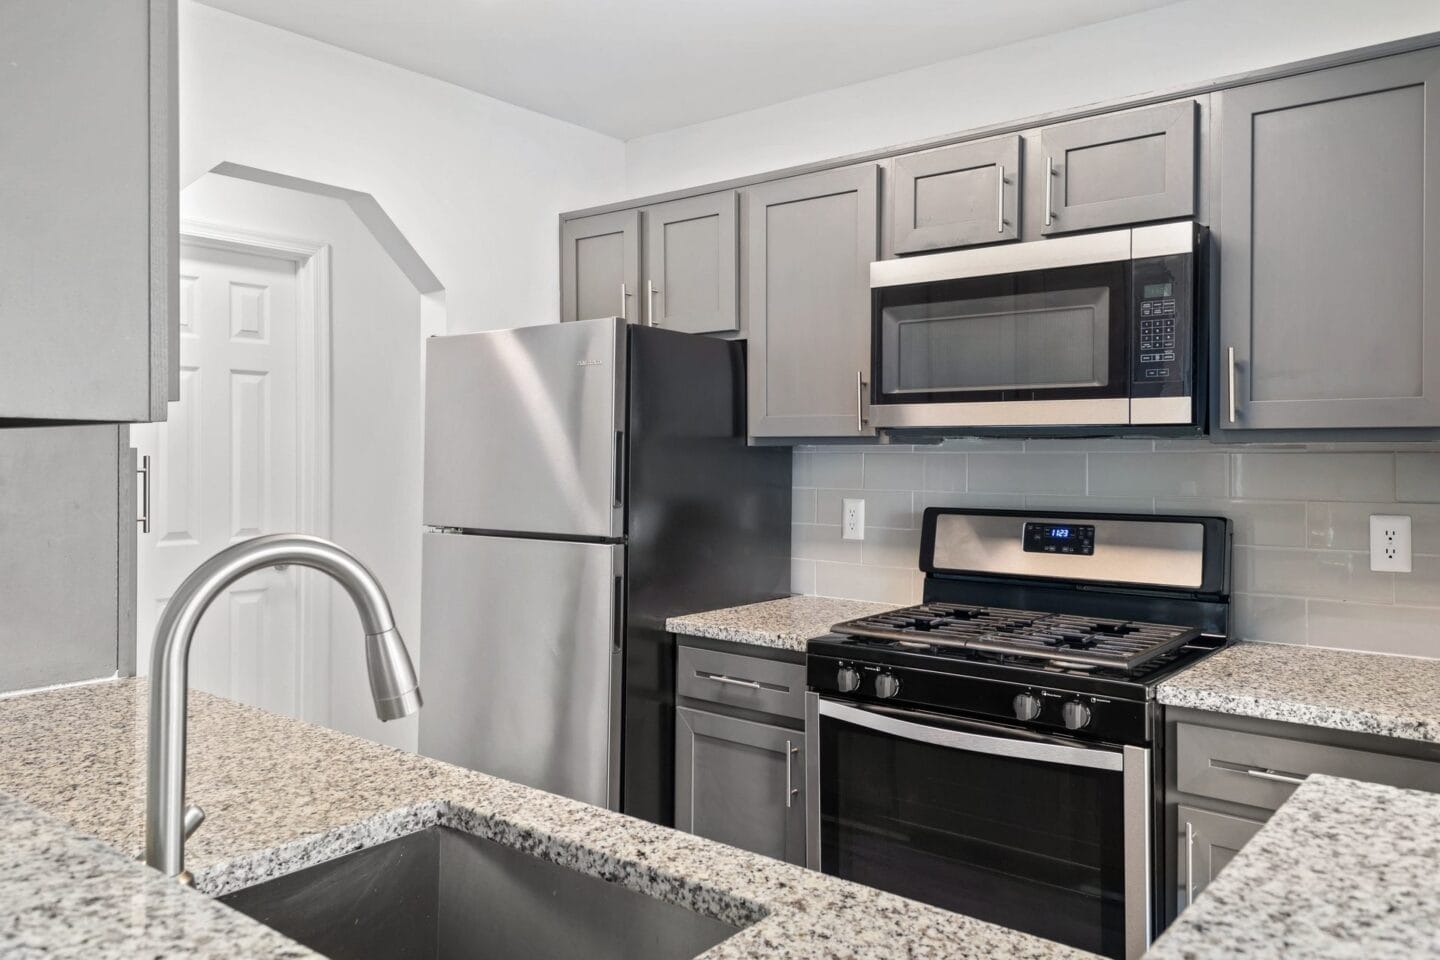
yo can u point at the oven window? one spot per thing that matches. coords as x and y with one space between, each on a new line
1029 845
1048 334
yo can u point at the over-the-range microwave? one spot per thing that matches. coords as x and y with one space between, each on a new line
1095 334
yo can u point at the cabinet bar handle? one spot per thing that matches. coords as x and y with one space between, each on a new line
650 291
1230 360
1000 199
790 791
144 472
1049 187
733 681
859 401
624 301
1276 777
1189 863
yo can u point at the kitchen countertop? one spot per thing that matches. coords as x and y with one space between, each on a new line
282 795
1343 869
785 624
1342 690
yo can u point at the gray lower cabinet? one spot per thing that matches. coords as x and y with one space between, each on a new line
600 267
89 210
1329 242
67 554
955 196
741 782
1117 169
692 273
1208 841
808 245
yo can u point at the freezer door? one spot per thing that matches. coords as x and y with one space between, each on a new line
519 662
523 430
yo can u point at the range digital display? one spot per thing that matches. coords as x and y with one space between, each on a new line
1070 538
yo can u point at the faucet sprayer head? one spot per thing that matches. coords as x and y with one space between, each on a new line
392 677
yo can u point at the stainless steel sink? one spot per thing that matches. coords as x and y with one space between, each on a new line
441 894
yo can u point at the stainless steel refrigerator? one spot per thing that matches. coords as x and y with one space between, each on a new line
583 481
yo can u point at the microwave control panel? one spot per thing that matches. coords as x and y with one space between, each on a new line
1163 334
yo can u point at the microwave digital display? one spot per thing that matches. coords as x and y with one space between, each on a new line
1150 291
1074 538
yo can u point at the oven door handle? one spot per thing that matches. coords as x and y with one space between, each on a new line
1095 758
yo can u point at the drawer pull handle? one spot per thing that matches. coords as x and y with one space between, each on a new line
1276 777
733 681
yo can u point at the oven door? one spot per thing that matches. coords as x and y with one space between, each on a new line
1036 833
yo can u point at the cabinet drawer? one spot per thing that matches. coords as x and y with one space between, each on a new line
752 683
1262 771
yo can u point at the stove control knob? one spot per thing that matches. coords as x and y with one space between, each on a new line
847 679
886 686
1075 714
1027 706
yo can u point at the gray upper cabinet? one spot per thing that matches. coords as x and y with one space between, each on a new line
600 267
808 245
1328 232
67 554
741 782
692 275
956 196
89 222
1117 169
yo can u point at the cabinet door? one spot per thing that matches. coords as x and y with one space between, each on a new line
1329 242
1208 841
600 267
809 242
67 554
1118 169
89 222
692 274
955 196
741 783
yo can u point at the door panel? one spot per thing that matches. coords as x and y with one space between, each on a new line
600 267
691 270
1328 247
523 429
1208 841
741 783
809 244
956 196
224 469
518 664
1119 168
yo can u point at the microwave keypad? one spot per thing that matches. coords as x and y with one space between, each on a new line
1157 337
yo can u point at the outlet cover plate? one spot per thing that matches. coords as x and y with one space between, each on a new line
852 519
1390 543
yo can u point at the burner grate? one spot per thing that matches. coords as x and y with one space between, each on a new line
1072 639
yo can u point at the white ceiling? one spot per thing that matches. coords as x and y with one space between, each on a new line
634 67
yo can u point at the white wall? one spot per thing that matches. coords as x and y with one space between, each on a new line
376 419
1175 45
475 184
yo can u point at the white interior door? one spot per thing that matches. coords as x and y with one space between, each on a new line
223 469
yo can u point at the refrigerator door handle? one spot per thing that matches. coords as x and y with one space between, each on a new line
619 468
618 631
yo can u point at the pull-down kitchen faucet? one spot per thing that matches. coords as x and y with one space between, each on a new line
392 677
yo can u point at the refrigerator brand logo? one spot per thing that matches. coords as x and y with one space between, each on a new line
588 363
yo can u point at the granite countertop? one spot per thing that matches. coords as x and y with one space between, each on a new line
1361 692
786 623
1343 869
282 795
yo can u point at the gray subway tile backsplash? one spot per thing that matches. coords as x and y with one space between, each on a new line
1300 515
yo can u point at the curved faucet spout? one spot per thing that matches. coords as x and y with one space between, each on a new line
392 676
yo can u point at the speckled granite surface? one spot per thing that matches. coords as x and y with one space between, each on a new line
282 795
786 623
1363 692
1343 870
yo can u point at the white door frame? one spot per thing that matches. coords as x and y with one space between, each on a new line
312 431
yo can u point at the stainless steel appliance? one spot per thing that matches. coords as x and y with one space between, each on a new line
583 481
1098 332
994 750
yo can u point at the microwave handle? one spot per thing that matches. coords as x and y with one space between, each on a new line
1096 758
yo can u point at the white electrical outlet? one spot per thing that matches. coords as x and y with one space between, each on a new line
1389 543
852 519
